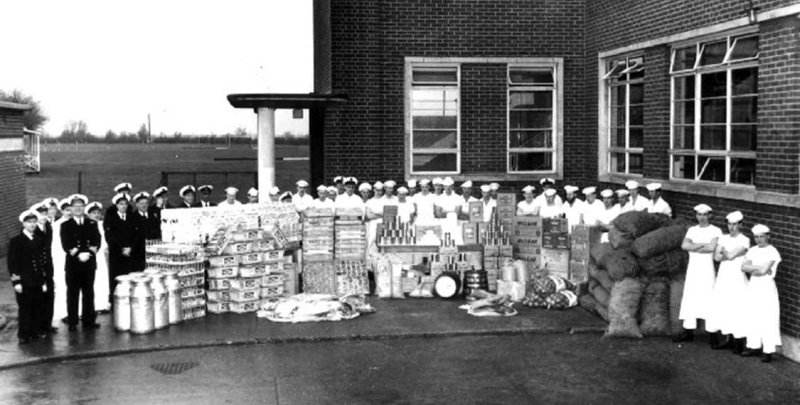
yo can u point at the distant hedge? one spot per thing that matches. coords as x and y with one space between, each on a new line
177 138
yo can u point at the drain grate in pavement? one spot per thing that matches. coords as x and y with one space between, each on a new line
173 368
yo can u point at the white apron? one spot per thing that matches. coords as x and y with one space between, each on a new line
101 287
696 302
762 316
59 276
727 300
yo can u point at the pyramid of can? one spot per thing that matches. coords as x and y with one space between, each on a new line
188 260
350 241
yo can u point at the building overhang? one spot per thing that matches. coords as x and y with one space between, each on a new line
285 100
7 105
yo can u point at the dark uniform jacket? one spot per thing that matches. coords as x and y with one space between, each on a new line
81 237
47 234
144 228
210 204
28 260
119 233
184 205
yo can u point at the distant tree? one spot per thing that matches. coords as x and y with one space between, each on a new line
142 133
111 136
32 119
75 131
240 132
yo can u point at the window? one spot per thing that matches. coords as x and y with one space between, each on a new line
435 124
531 119
715 110
624 80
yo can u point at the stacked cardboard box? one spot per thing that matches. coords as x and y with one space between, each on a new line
555 246
350 241
318 237
527 240
189 262
351 278
506 209
583 238
497 248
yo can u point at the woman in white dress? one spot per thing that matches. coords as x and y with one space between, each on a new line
762 316
528 207
102 295
726 300
59 260
701 242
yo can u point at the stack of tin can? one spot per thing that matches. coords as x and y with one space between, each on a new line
187 262
396 232
350 239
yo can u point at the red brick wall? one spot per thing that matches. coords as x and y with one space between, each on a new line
12 197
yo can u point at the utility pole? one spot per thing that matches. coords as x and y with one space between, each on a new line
149 132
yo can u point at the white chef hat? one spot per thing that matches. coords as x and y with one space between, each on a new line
117 197
550 192
302 183
447 182
412 183
140 195
702 209
494 186
570 189
466 184
623 192
653 186
607 193
759 229
160 191
423 182
735 217
122 186
528 189
632 184
253 192
274 190
377 186
390 183
331 190
437 181
364 186
402 190
28 214
589 190
93 206
187 189
321 188
231 190
486 188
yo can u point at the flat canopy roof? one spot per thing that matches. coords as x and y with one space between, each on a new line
285 100
14 106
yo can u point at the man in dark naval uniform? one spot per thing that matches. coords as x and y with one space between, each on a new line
45 229
145 227
187 194
27 263
80 239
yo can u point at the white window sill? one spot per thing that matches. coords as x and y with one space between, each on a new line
740 193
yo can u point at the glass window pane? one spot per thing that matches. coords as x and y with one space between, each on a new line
617 117
684 58
684 112
683 167
683 137
713 84
434 162
434 139
745 110
637 93
618 96
745 48
531 99
713 111
745 81
435 122
684 88
531 76
712 137
530 161
635 163
743 171
711 168
743 137
636 137
531 139
617 163
713 53
531 119
637 115
617 137
421 75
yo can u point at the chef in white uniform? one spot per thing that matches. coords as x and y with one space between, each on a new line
364 191
438 188
623 203
301 199
528 207
252 195
466 198
551 207
573 207
338 182
405 207
388 192
349 199
274 193
447 206
547 184
489 204
494 188
412 187
333 192
424 203
762 307
639 202
322 201
657 204
701 242
729 289
608 213
230 197
592 207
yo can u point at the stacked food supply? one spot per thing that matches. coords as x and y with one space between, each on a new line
496 241
550 291
527 240
188 261
555 246
636 280
350 237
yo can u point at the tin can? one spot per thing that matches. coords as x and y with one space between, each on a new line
160 304
174 292
122 303
142 306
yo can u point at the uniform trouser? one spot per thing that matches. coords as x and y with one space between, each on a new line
80 285
30 304
48 303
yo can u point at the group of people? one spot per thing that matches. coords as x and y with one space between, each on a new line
739 302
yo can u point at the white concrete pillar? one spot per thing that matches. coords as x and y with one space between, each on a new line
266 152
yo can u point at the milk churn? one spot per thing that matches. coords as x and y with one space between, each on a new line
122 303
174 301
160 310
142 306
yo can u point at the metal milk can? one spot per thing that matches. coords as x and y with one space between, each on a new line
174 300
122 303
142 306
160 308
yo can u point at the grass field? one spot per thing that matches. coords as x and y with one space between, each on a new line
104 166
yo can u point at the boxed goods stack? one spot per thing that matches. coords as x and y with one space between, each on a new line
506 209
582 239
527 240
318 236
555 246
496 249
350 235
189 263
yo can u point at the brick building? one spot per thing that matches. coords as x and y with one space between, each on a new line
12 175
702 96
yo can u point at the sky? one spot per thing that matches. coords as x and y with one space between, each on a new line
110 63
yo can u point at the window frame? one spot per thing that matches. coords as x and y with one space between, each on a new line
556 107
606 81
410 116
697 153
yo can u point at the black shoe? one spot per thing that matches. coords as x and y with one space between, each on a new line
41 336
748 352
25 340
53 330
73 328
94 325
685 336
726 342
738 346
766 358
65 320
